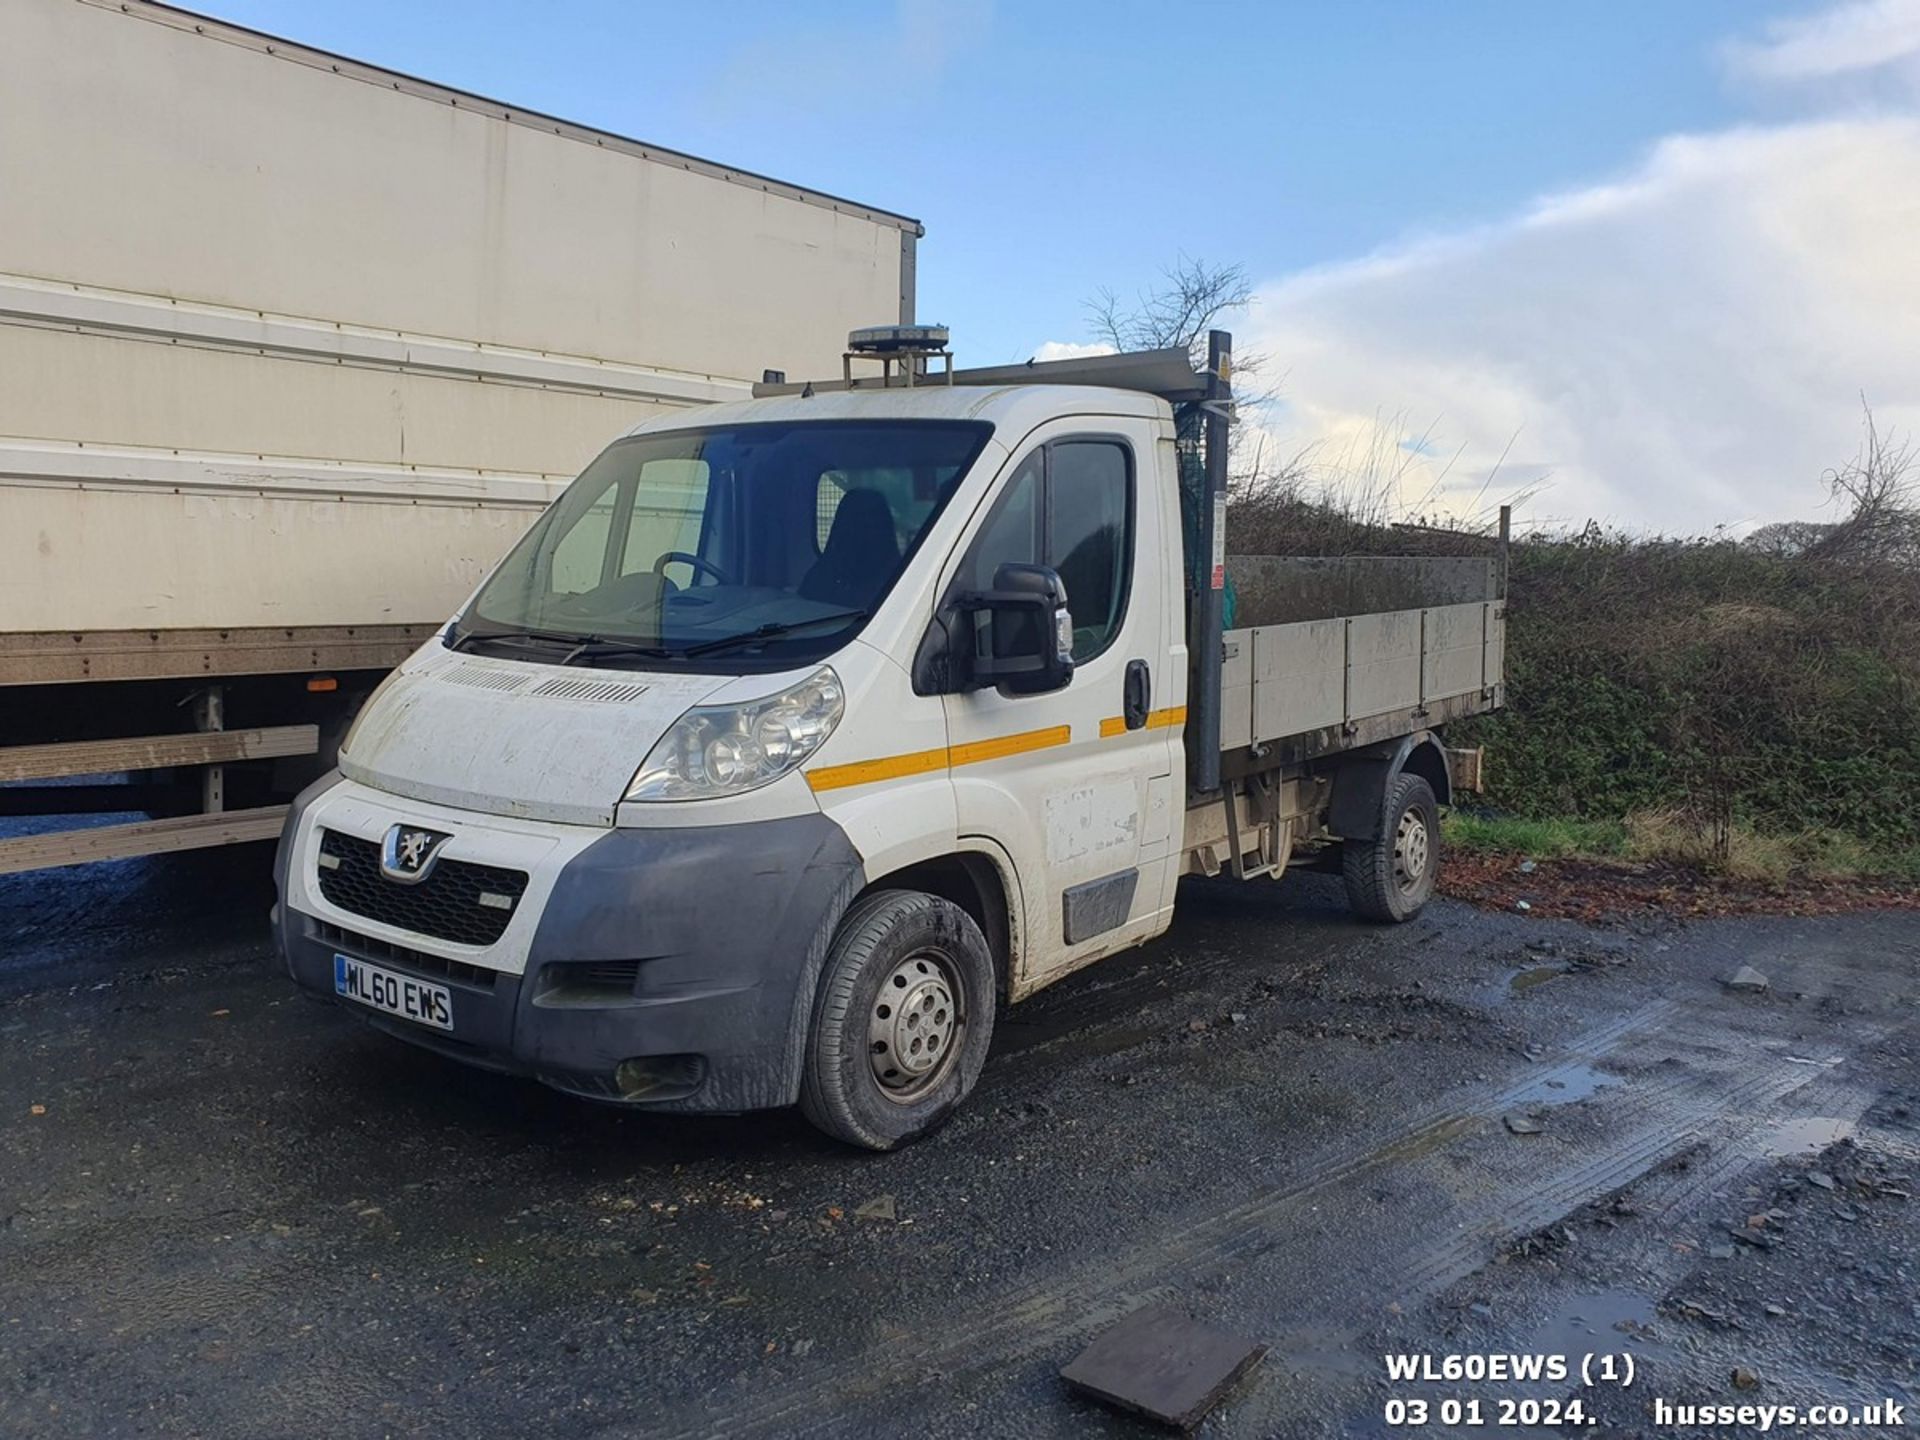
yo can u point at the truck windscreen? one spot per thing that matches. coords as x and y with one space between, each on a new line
750 546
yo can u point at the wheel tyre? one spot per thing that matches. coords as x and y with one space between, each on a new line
1379 886
840 1091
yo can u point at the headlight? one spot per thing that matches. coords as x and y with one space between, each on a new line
727 749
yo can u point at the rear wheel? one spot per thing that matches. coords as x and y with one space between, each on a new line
1391 877
902 1021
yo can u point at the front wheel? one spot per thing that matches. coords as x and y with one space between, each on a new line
1391 877
902 1021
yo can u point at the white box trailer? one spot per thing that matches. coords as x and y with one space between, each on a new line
291 349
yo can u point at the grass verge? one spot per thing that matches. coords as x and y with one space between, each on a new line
1539 839
1744 853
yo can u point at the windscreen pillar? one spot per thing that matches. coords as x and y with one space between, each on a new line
1207 614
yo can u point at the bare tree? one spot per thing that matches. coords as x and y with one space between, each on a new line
1880 488
1192 297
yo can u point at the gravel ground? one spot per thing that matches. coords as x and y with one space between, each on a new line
227 1210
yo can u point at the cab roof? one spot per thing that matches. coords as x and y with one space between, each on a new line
1011 407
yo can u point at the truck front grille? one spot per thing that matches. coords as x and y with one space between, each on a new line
367 947
446 905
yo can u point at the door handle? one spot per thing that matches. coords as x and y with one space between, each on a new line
1138 697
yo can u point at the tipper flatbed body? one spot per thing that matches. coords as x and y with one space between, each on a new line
802 733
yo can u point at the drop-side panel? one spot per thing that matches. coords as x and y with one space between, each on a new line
1299 677
1236 690
1454 651
1320 686
1383 663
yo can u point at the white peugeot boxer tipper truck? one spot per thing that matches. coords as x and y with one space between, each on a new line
803 732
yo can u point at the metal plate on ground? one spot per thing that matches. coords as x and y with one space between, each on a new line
1162 1363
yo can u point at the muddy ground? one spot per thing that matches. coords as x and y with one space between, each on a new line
228 1211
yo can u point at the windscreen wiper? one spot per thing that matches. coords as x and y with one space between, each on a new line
772 631
597 647
477 637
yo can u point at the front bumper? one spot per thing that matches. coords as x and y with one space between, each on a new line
671 968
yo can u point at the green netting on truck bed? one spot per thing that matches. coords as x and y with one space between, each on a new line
1190 430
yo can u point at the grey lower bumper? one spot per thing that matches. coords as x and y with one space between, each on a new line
686 956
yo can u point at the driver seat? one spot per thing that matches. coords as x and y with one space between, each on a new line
861 554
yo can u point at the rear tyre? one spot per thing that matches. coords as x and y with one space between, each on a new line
902 1020
1390 878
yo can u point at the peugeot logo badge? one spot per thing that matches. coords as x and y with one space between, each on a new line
408 853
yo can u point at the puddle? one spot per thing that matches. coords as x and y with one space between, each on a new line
1603 1322
1427 1140
1789 1139
1564 1086
1600 1321
1324 1353
1526 980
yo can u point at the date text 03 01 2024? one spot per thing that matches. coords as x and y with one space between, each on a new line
1503 1411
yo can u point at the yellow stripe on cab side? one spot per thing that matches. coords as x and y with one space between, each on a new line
868 772
920 762
1002 746
1156 720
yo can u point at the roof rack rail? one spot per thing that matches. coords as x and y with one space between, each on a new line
1167 373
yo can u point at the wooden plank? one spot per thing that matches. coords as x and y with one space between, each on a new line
146 837
150 752
47 657
1467 769
1161 1363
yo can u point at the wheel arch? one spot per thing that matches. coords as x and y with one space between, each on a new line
980 883
1361 782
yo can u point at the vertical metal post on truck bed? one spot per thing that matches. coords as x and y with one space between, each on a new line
1506 547
1206 617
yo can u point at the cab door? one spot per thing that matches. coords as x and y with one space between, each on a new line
1077 785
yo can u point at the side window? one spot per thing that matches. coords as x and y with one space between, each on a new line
580 556
1012 531
1088 538
1068 506
669 502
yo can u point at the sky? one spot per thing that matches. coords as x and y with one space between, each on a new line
1641 262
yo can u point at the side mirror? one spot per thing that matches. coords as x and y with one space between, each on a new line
1029 633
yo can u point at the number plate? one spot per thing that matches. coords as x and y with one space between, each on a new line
414 1000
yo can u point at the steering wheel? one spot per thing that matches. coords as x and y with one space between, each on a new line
698 562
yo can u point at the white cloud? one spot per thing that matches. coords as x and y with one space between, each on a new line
1684 346
1846 40
1070 350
